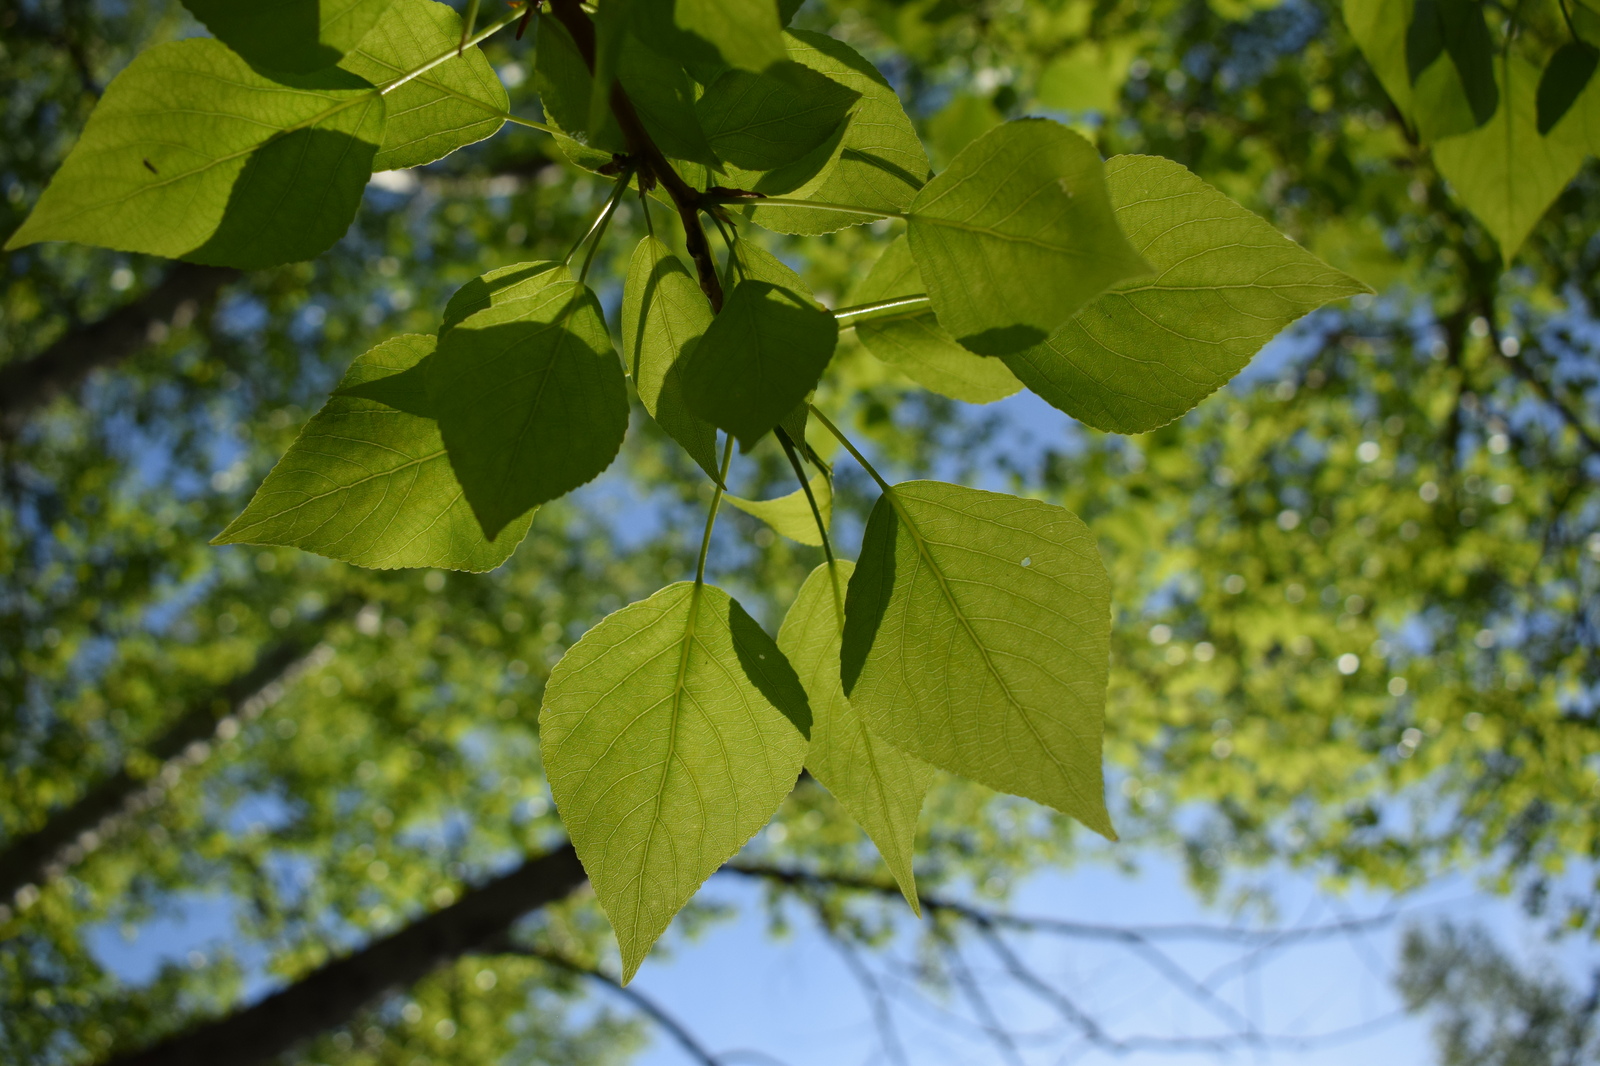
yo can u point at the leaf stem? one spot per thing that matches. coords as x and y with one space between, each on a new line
488 31
816 513
528 122
467 24
851 448
895 307
598 230
819 205
711 516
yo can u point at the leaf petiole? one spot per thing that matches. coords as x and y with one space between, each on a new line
597 229
816 514
851 448
895 307
711 516
819 205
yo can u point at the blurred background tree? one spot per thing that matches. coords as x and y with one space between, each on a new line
1357 593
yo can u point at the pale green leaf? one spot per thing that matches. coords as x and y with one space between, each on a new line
289 35
764 121
1435 101
530 396
457 103
740 33
1148 349
759 358
191 154
368 481
1089 77
879 163
977 630
916 345
751 262
1505 173
670 733
1017 235
791 515
664 314
881 786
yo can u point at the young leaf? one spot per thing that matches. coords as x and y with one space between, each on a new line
916 345
193 155
880 163
764 121
566 89
457 103
977 630
1017 235
881 786
529 393
758 359
1565 77
295 36
664 314
1148 349
1505 173
368 481
739 33
670 733
791 515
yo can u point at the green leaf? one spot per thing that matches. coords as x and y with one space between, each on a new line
751 262
759 358
664 97
764 121
1087 78
1466 39
664 314
1017 235
296 36
1505 173
739 33
1408 55
977 630
566 89
530 396
880 163
1148 349
670 733
791 515
368 481
881 786
916 345
193 155
1565 77
457 103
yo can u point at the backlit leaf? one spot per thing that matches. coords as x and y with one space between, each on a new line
916 345
193 155
530 395
791 515
368 481
881 786
566 89
977 629
764 121
664 314
670 733
297 36
1148 349
457 103
759 358
1565 77
664 97
740 33
1017 235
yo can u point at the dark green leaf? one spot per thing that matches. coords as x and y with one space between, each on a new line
566 89
1563 81
1466 38
1017 235
368 481
530 396
760 357
664 97
296 36
457 103
764 121
738 33
191 154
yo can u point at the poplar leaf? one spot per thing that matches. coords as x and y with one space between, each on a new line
977 630
191 154
296 36
881 786
664 314
566 89
1017 235
457 103
1148 349
916 345
529 393
759 358
368 481
739 33
1505 173
880 162
791 515
764 121
664 97
670 733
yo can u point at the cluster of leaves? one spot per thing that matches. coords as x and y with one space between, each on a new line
971 635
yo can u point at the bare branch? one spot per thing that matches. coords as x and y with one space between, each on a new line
981 1005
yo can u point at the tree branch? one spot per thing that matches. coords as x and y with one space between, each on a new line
29 384
331 996
70 833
